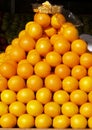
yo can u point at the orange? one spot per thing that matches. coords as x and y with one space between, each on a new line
90 122
8 120
7 70
8 49
42 69
34 108
79 72
78 121
62 46
6 96
61 121
23 61
22 33
17 53
86 109
15 41
85 83
69 109
27 43
62 71
86 59
79 97
25 95
35 30
43 121
70 84
43 46
50 31
57 20
34 82
42 19
52 109
53 82
44 95
70 59
54 38
27 25
3 108
25 70
90 71
3 83
71 33
53 58
61 97
16 83
25 121
33 56
79 46
17 108
90 96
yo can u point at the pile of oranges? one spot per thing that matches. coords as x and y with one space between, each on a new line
46 77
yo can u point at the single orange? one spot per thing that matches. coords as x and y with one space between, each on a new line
42 19
3 83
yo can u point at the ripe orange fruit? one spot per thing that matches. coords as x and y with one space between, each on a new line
35 30
27 26
70 59
22 33
25 95
62 46
27 43
71 33
90 71
70 84
79 72
16 83
79 97
3 83
61 121
6 96
3 108
62 71
17 108
42 69
69 109
7 70
42 19
35 82
8 120
25 121
90 96
85 83
53 58
44 95
86 60
61 97
78 121
25 70
52 109
53 82
57 20
50 31
86 109
43 121
34 108
54 38
17 53
43 46
15 41
79 46
90 122
33 56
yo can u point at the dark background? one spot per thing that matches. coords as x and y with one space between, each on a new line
76 6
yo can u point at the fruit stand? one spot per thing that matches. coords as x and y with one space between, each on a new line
46 75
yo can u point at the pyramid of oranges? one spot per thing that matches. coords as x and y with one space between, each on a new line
46 75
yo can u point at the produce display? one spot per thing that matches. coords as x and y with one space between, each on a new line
46 75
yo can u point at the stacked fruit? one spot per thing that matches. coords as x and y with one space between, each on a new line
46 76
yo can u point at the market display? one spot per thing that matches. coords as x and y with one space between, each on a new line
46 75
